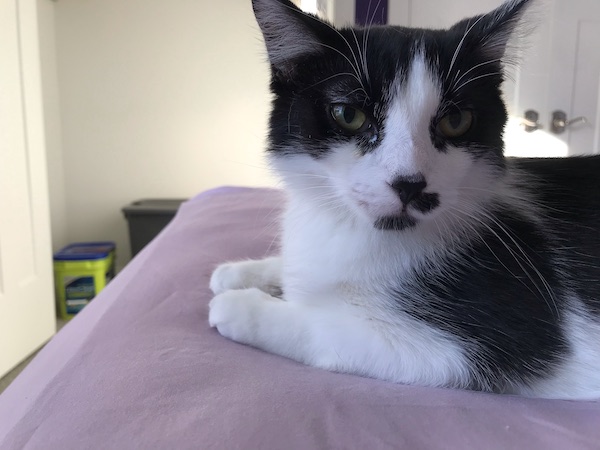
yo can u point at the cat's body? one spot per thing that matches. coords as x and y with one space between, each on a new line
412 250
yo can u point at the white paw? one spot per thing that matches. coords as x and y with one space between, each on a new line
236 313
245 275
228 276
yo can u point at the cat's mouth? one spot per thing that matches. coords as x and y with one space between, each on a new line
423 203
400 222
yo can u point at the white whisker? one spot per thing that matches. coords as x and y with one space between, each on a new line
456 81
477 78
460 44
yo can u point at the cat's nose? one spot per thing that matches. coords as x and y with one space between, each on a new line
408 188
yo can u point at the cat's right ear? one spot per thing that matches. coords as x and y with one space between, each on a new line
289 32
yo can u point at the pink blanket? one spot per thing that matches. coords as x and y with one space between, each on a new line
140 368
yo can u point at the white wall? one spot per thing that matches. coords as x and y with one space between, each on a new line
157 99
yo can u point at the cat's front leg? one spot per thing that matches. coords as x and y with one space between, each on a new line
335 336
253 317
329 338
264 274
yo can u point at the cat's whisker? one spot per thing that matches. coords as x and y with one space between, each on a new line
356 66
513 238
363 58
355 90
366 37
475 231
492 61
491 74
531 201
341 74
522 254
460 44
293 173
289 174
289 121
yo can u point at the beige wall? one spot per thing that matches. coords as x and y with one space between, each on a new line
157 99
56 179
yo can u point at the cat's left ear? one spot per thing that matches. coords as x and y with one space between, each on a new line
289 32
502 27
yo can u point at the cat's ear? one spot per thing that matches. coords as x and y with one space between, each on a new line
289 32
499 31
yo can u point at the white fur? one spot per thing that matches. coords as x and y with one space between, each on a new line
264 274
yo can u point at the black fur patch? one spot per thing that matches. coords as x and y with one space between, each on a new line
502 296
301 121
568 190
426 202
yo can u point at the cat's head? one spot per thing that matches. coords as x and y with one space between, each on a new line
391 125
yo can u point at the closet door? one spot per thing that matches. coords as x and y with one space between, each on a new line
573 93
27 312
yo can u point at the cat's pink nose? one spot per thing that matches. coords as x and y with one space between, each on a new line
408 188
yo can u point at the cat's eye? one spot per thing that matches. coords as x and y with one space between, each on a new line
455 124
349 118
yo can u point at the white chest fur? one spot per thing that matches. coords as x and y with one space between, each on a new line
325 253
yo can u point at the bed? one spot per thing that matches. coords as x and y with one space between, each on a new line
141 368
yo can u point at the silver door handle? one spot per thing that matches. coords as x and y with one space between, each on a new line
560 122
531 121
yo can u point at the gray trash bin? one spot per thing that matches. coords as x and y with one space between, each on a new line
146 218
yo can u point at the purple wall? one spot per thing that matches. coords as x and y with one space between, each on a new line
371 12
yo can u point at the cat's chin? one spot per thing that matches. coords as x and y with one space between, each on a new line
399 222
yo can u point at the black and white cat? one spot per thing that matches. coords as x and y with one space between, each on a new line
412 249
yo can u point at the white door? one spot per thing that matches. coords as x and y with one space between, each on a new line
575 84
560 74
27 313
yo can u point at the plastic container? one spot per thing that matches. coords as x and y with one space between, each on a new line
147 218
81 271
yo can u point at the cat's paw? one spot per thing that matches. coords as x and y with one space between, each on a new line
236 313
246 274
227 276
